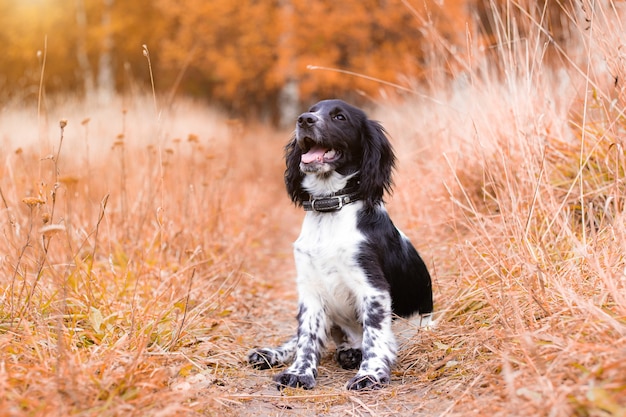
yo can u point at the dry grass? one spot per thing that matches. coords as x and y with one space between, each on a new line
137 269
123 245
529 260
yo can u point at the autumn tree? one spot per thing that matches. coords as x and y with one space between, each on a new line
229 49
90 45
265 58
244 54
24 28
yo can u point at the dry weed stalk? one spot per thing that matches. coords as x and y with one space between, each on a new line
146 53
41 56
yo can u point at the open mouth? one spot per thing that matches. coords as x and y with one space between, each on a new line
318 154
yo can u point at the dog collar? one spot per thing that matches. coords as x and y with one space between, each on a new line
333 203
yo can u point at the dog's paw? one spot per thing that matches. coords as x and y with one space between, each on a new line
349 358
263 358
287 379
367 382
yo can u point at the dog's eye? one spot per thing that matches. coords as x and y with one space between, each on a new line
339 116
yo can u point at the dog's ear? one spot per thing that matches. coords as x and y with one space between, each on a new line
377 164
293 175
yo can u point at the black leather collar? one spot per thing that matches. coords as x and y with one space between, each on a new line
332 203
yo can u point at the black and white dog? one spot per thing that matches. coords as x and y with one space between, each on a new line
355 269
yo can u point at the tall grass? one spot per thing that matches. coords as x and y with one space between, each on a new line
122 253
530 261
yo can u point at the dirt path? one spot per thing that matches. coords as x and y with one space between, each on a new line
270 319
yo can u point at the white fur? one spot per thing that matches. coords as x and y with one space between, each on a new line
324 186
325 255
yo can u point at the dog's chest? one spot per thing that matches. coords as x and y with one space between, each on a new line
330 237
326 255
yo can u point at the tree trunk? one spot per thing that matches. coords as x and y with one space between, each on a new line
86 72
289 96
106 78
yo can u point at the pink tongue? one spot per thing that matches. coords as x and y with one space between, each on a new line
316 153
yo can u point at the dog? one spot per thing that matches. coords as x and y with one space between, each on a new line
355 269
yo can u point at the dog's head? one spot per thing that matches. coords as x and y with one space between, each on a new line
335 143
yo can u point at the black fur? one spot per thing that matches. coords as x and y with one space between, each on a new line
386 254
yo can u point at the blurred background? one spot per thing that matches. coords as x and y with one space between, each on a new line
254 58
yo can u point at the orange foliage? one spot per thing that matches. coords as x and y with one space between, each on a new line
373 38
231 47
240 55
245 53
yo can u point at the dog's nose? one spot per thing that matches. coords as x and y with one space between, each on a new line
307 119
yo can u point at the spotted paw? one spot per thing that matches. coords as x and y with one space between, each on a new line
367 382
262 359
349 358
286 379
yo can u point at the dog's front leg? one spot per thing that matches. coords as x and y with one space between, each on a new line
312 334
379 344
